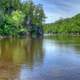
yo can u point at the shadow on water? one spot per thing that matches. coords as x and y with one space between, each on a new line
19 54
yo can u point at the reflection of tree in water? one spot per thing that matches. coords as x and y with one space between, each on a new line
72 41
15 53
7 68
34 52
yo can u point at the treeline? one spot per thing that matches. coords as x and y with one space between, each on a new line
68 26
15 14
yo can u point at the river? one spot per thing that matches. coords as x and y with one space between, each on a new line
51 58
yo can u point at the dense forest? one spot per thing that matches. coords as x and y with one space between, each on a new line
16 15
62 26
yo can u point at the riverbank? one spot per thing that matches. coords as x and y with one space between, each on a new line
44 35
11 37
61 34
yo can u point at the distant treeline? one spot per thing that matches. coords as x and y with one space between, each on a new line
14 16
62 26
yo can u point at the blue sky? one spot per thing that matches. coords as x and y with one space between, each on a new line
56 9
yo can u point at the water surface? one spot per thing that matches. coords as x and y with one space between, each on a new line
51 58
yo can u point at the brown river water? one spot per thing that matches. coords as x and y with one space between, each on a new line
51 58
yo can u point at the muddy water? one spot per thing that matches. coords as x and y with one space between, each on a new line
51 58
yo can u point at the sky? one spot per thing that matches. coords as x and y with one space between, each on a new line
57 9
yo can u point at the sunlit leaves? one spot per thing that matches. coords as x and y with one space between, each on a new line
17 17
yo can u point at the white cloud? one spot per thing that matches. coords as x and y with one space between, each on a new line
54 9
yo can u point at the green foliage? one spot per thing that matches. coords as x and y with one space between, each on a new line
14 15
69 25
35 12
17 18
38 15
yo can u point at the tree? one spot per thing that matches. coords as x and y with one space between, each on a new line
15 15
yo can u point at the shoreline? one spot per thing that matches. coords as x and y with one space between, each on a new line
60 34
44 35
